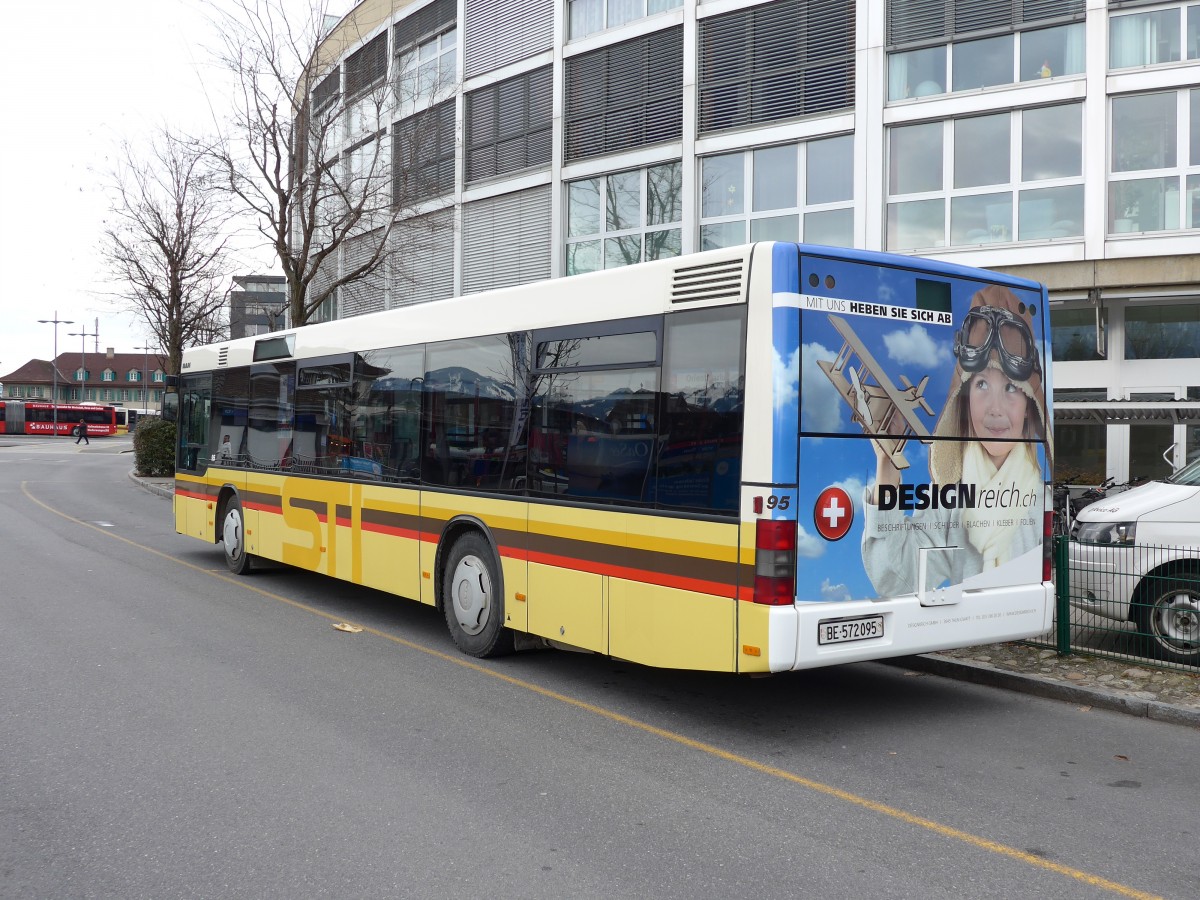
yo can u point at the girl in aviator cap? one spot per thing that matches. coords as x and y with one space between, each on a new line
997 400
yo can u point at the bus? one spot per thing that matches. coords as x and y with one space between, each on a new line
35 417
128 416
737 461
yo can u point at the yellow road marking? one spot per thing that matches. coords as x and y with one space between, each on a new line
672 736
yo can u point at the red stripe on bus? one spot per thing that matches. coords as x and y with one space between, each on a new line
391 530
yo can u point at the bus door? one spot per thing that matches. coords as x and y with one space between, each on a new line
192 515
13 416
922 451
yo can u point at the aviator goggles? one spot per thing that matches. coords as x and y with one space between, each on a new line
988 328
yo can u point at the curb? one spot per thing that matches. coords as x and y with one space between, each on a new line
154 487
1041 686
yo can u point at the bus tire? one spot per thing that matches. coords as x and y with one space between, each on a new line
1169 620
233 538
472 599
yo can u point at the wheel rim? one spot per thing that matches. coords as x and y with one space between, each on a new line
231 533
1175 623
470 594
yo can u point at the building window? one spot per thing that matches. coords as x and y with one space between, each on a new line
133 375
367 66
624 218
1162 331
589 16
81 375
794 192
509 125
959 182
1031 46
625 95
1155 160
429 67
1073 335
1148 38
326 90
108 375
423 155
775 61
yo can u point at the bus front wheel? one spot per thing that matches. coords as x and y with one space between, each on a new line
233 537
472 599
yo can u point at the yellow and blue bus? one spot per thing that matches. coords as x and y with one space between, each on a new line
757 459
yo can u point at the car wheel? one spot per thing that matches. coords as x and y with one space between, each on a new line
472 599
233 537
1170 621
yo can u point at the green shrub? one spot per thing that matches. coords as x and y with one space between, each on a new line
154 447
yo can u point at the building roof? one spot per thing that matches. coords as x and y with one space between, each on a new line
39 371
36 371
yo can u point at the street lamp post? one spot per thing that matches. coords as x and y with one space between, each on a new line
56 321
83 336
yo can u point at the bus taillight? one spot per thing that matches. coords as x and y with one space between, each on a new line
774 561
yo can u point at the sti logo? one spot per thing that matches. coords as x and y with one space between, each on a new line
833 513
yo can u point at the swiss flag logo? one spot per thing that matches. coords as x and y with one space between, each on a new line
833 513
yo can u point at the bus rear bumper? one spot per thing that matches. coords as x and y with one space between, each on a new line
827 634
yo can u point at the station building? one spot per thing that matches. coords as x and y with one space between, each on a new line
1055 139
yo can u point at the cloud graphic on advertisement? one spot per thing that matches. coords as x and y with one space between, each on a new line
914 347
822 410
838 592
808 546
854 487
787 378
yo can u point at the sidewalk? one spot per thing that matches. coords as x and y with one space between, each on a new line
1120 685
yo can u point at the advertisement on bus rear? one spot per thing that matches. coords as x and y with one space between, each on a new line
923 431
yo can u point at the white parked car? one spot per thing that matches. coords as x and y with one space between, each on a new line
1135 556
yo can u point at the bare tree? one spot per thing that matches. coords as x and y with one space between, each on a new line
308 152
165 244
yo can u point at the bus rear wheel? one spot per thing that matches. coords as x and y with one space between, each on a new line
472 599
233 537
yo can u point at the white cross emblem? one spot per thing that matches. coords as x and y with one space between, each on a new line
833 512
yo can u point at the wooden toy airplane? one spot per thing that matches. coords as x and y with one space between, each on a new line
884 411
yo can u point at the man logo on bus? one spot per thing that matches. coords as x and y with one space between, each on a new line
833 513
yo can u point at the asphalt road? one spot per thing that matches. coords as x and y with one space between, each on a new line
171 731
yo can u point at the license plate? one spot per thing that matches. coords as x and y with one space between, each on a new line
841 631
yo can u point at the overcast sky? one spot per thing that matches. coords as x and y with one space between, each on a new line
79 77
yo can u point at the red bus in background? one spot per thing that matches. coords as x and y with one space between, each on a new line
35 417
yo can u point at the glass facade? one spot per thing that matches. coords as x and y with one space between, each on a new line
791 192
624 218
998 178
1155 161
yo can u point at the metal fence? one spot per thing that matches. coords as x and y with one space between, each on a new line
1139 603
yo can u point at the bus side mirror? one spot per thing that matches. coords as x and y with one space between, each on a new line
170 407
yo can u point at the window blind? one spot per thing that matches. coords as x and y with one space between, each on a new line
625 95
776 61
